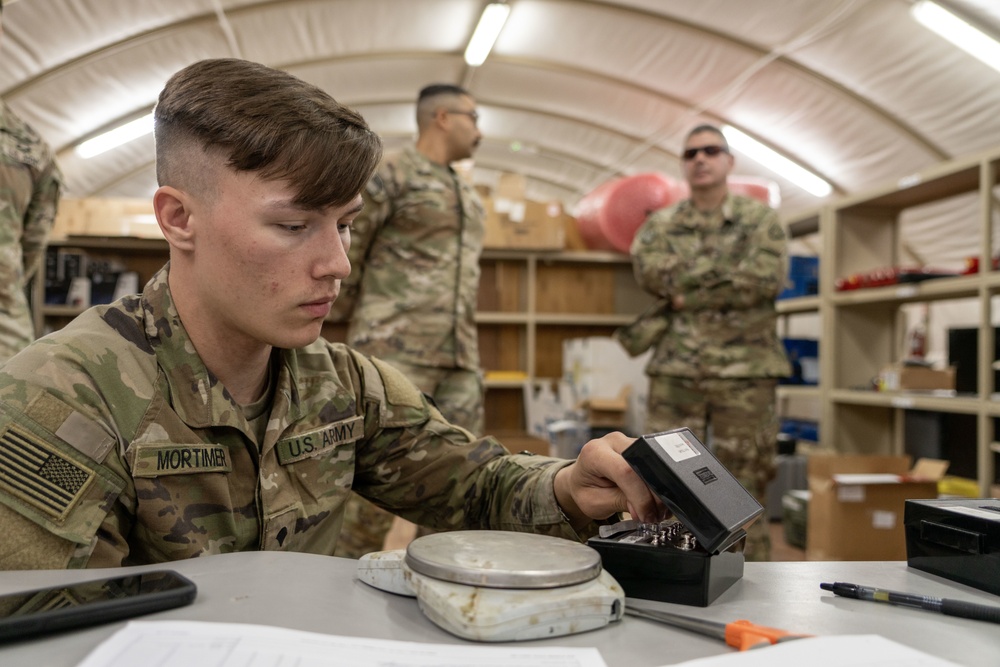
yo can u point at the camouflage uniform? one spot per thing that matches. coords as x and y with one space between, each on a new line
720 355
29 193
415 251
118 447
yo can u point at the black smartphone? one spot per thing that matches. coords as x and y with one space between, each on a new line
45 610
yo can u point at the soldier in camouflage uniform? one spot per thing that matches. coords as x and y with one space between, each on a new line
206 415
719 261
29 193
415 278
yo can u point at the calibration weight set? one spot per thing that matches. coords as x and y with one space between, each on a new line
695 558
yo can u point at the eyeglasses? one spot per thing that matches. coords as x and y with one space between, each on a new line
471 114
710 151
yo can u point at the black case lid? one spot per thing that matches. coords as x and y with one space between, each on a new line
695 486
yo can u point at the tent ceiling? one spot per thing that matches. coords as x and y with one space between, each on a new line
856 90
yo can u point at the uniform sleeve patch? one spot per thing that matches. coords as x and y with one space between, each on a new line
37 474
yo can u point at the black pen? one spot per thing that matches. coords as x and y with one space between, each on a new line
979 612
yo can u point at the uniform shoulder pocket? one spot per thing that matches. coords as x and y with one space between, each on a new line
400 402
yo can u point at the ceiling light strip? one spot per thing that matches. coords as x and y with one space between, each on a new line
488 29
116 137
957 31
776 162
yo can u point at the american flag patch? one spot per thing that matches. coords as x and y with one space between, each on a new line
40 476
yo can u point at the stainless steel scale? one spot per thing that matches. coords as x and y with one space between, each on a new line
489 585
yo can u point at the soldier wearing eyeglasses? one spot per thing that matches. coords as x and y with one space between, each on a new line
718 261
415 279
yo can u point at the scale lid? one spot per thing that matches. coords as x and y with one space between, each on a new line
503 559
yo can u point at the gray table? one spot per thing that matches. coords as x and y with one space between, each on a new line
321 594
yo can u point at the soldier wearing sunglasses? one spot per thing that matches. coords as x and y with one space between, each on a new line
718 260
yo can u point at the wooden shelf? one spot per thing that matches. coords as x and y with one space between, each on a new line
797 391
863 330
501 318
960 287
799 304
531 302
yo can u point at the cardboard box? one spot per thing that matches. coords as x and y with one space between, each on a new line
856 504
512 186
524 224
597 367
608 412
96 216
900 377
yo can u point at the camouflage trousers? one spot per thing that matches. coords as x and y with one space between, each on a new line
458 394
744 425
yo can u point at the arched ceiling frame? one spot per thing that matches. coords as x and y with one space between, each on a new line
644 143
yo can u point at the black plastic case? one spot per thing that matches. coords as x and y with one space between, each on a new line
958 539
710 503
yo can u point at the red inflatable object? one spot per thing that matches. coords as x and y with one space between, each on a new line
610 215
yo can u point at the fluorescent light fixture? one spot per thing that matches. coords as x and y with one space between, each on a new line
116 137
776 162
487 31
958 32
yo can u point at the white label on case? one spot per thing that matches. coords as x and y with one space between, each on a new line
883 520
851 494
676 446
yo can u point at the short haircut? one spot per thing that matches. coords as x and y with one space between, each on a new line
265 121
705 127
433 96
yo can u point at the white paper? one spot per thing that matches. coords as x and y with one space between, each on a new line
832 651
202 644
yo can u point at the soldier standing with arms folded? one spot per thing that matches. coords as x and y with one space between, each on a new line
718 261
415 277
29 194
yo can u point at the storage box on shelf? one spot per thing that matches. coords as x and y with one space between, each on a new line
863 330
803 277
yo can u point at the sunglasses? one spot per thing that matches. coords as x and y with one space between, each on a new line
710 151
